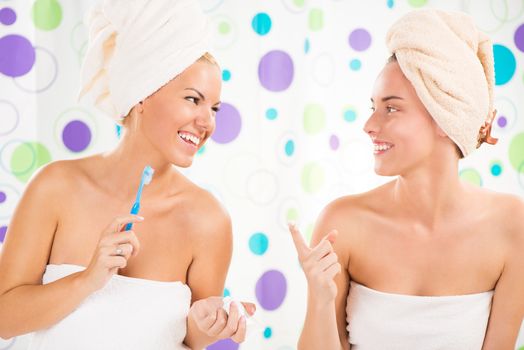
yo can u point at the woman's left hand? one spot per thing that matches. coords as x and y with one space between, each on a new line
211 318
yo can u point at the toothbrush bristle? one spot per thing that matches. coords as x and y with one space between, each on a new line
148 174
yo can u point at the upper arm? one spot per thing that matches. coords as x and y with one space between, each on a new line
507 310
332 218
30 233
212 250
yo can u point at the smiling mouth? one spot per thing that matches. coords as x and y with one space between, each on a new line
381 147
189 138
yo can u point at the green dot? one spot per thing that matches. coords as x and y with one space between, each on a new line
314 118
312 177
472 176
47 14
516 152
417 3
316 19
299 3
27 158
292 214
224 28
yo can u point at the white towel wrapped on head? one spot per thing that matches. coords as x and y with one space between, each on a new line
449 62
137 46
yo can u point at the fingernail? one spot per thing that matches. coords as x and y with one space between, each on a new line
140 217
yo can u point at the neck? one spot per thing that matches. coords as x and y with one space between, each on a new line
430 193
126 163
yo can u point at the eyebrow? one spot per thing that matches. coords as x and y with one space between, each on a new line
387 98
202 95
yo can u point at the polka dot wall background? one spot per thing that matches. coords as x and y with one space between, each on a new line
297 76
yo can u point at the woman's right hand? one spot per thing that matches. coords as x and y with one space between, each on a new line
320 265
114 249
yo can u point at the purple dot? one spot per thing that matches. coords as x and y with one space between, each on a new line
360 39
275 71
76 136
519 38
502 121
17 55
271 289
7 16
334 142
225 344
3 197
3 231
228 124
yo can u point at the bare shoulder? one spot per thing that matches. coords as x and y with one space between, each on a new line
57 179
350 216
51 178
510 213
502 211
204 214
353 211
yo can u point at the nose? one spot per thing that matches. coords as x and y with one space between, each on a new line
205 118
371 127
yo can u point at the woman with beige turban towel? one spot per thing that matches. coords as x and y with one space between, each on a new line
67 271
424 261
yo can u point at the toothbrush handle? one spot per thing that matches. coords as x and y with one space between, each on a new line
134 210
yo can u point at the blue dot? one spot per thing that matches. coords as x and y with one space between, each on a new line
261 23
268 332
118 130
505 64
258 243
201 150
350 115
226 75
3 197
289 148
391 3
271 114
496 169
355 64
226 293
306 46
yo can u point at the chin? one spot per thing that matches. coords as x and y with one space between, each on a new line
182 163
383 171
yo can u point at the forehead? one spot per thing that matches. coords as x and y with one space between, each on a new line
201 72
391 81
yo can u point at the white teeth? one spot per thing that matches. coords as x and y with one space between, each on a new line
382 147
188 137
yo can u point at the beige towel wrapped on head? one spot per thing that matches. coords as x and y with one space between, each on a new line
449 62
136 47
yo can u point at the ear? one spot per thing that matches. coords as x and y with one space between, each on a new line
140 107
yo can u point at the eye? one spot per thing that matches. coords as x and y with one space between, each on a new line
216 109
193 99
391 109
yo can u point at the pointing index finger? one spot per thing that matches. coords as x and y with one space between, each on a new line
300 244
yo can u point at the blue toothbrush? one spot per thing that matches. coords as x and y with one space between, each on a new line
147 176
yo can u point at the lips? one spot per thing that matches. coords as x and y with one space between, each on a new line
380 147
190 138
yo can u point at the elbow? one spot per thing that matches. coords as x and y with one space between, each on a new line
6 330
5 333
